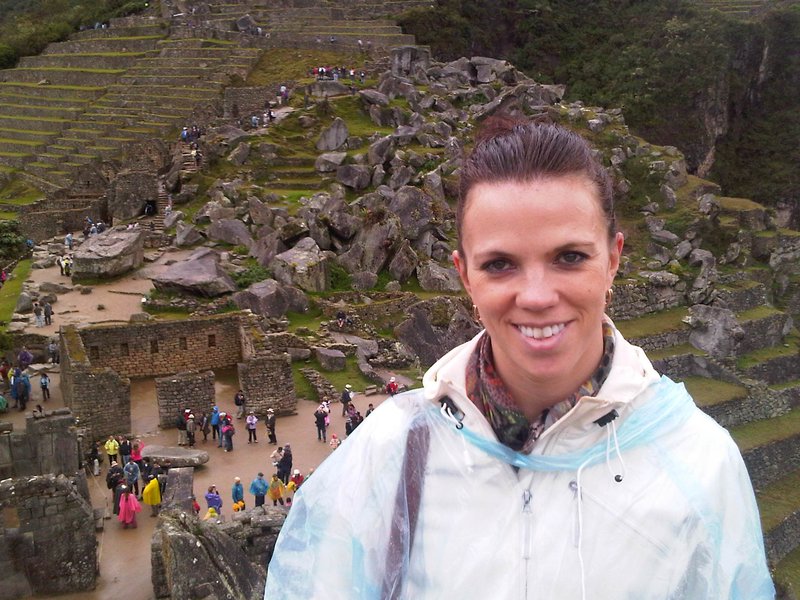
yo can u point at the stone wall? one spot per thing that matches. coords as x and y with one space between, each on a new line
636 298
99 398
267 383
241 103
776 370
49 444
193 390
47 543
665 339
48 219
782 540
759 404
771 462
162 348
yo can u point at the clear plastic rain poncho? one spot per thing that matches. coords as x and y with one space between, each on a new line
414 505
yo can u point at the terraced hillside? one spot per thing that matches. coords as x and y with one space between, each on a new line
744 8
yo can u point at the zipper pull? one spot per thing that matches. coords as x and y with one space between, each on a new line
526 501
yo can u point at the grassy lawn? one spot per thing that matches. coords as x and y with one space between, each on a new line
11 290
779 500
787 573
790 347
666 320
708 392
292 64
760 433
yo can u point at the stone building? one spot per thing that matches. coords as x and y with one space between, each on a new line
98 362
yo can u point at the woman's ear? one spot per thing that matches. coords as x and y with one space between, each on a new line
461 266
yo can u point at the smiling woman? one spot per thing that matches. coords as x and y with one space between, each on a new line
545 458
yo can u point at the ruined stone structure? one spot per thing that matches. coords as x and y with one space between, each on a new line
97 361
47 542
194 391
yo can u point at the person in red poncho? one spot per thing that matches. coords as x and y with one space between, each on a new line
128 507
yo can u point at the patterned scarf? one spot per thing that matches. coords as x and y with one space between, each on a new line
489 394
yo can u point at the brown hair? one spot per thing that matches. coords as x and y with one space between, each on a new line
509 148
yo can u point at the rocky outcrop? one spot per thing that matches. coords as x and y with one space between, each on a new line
108 254
230 231
714 330
200 274
304 266
333 137
176 456
271 299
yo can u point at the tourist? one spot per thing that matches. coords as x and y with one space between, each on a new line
191 428
38 314
48 313
228 432
215 432
124 450
273 439
239 401
370 410
213 499
44 383
237 492
128 507
346 398
319 420
53 352
180 425
205 425
277 489
115 481
392 387
112 448
285 464
151 495
132 473
60 263
570 466
22 385
68 242
259 487
24 358
335 441
251 422
276 456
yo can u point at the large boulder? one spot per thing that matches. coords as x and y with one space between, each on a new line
304 266
108 254
330 359
270 298
231 231
714 330
404 263
435 278
199 274
415 209
213 211
357 177
374 97
371 248
380 150
202 559
408 60
333 137
328 162
187 235
434 328
175 456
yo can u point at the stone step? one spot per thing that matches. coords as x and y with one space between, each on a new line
59 76
657 331
30 100
15 159
33 123
741 295
179 81
44 184
176 73
770 447
764 327
156 29
33 111
779 505
27 134
105 44
62 92
181 62
20 146
775 364
97 60
45 171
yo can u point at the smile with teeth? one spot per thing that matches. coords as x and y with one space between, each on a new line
540 333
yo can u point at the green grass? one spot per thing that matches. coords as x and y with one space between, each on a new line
738 204
759 312
8 215
19 192
790 347
666 320
12 288
302 386
760 433
292 64
787 573
778 500
709 392
310 319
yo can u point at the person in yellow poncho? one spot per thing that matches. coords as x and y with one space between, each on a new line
276 490
151 495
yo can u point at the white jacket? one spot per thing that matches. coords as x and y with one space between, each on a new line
682 523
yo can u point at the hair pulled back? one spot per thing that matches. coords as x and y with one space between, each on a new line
510 149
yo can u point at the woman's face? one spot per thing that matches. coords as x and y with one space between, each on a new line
537 263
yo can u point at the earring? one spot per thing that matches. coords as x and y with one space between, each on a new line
476 314
609 295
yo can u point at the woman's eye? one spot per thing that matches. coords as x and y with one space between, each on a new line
572 258
496 266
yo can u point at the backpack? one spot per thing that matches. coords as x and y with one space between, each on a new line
180 422
237 400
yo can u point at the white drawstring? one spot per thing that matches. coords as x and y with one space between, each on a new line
448 414
613 433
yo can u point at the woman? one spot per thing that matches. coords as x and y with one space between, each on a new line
152 496
128 507
237 491
285 464
544 458
213 499
276 490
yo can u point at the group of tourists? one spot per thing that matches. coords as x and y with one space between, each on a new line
43 313
191 134
124 479
65 265
17 382
336 73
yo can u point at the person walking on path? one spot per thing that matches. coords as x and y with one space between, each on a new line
271 426
44 383
128 507
276 490
240 401
112 449
38 313
215 431
347 398
48 313
319 420
252 420
213 499
237 492
151 495
259 487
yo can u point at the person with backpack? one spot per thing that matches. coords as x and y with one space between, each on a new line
216 434
285 464
239 401
180 425
319 420
44 383
228 432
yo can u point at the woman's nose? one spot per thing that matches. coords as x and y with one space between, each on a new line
537 290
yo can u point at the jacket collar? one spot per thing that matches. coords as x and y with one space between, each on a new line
631 373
